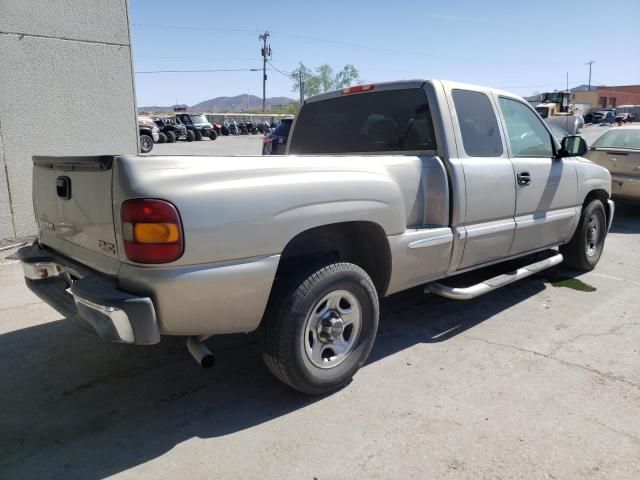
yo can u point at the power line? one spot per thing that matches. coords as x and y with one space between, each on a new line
203 70
286 74
190 27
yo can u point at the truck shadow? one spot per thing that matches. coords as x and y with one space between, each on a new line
73 406
626 218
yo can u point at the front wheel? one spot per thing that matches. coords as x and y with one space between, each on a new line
171 137
190 136
198 135
585 247
212 134
319 330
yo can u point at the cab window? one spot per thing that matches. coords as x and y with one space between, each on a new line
478 124
527 134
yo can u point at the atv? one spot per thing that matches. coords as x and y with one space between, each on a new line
170 130
198 124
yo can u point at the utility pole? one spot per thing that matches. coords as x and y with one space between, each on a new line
301 85
590 62
567 81
266 52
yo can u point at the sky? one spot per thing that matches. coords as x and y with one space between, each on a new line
522 47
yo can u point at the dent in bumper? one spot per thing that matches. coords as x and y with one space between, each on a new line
92 301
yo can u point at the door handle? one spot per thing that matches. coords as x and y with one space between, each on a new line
524 179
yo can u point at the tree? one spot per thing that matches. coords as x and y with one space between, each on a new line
324 79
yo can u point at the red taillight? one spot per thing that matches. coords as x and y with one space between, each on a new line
152 231
358 88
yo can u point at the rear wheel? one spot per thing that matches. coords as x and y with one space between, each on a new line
171 137
319 329
162 137
146 143
213 135
190 136
198 135
585 248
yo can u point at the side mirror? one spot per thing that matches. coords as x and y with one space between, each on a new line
573 146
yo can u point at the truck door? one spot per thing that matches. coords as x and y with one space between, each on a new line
488 176
546 188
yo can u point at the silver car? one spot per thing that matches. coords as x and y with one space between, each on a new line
618 150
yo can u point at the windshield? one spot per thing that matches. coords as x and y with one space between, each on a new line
543 111
387 121
199 119
623 138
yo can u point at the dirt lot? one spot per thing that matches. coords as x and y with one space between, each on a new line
538 380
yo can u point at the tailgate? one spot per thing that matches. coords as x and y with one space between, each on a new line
618 161
72 199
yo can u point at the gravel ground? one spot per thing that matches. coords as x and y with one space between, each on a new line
540 379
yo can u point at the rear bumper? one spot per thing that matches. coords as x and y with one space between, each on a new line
88 298
625 187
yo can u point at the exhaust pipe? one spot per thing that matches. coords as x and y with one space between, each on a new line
200 352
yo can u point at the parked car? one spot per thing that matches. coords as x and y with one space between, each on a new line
170 129
275 143
148 132
198 124
603 117
412 183
625 117
618 150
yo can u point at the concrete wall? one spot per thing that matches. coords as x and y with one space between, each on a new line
66 88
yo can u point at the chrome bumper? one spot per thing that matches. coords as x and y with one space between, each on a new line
88 298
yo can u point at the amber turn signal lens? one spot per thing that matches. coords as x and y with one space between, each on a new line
156 232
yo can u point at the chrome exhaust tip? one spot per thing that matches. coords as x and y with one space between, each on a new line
200 352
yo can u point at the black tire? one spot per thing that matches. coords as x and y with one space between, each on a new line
162 138
213 135
171 137
198 135
585 247
190 136
146 143
288 327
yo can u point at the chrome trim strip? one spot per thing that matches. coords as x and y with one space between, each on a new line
530 220
428 242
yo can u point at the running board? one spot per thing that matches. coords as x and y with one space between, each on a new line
467 293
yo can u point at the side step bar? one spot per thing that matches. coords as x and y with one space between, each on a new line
467 293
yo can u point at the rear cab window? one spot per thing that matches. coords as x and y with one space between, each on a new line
374 122
478 124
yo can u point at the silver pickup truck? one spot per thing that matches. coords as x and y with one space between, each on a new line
385 187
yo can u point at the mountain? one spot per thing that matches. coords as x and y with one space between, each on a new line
161 109
239 103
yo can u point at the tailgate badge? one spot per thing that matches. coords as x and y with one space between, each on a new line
63 187
107 247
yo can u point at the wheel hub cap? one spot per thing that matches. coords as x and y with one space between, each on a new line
332 329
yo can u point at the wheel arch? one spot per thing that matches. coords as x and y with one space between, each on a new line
603 196
363 243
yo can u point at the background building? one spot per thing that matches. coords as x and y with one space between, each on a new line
66 88
609 97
